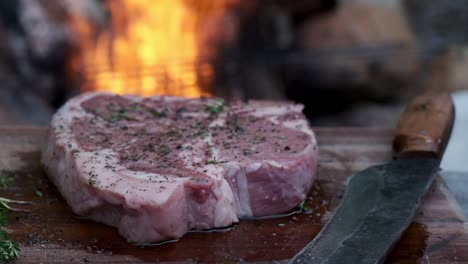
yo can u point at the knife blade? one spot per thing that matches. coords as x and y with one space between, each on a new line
380 202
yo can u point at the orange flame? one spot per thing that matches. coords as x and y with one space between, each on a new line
151 47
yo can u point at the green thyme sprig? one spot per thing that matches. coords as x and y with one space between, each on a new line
9 249
6 182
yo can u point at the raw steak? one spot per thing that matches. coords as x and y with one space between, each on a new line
160 166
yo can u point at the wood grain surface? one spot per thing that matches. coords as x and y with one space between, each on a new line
51 233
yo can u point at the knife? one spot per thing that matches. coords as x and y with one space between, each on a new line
380 202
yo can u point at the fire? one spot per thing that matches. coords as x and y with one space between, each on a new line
150 47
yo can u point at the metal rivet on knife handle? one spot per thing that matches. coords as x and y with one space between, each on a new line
425 126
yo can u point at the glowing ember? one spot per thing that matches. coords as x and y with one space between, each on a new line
150 47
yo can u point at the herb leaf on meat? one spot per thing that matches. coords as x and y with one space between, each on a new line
216 108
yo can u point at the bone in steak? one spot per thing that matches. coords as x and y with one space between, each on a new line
160 166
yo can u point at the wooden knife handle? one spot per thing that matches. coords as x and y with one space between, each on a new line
425 126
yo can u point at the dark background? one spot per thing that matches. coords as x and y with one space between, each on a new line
352 63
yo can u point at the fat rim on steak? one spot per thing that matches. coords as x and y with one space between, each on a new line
157 167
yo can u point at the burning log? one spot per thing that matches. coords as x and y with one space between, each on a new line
152 47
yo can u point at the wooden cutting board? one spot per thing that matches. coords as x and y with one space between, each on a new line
51 233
